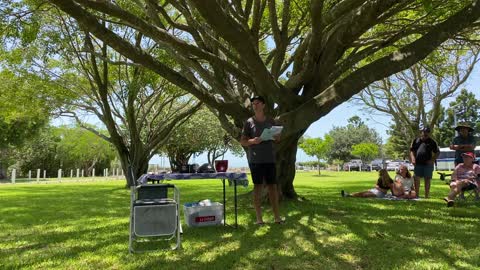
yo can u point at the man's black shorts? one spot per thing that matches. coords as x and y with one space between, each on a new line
263 173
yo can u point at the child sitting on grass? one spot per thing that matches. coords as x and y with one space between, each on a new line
404 185
384 183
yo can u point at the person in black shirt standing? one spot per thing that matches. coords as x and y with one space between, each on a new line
261 158
423 153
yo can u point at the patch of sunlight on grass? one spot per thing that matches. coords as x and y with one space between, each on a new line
350 258
305 245
465 265
261 231
338 240
215 253
374 221
419 250
382 206
429 264
227 235
293 213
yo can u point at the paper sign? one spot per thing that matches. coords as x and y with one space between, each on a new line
268 133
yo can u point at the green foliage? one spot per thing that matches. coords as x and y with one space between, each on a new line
465 108
344 138
23 111
67 148
317 147
365 151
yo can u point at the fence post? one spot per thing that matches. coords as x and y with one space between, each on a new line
38 175
29 175
14 175
45 174
93 173
59 174
82 173
78 172
71 173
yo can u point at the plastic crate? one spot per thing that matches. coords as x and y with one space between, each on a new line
198 216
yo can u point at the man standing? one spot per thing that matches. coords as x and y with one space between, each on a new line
261 158
423 153
464 142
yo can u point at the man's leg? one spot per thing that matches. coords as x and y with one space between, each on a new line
417 185
427 187
273 197
257 201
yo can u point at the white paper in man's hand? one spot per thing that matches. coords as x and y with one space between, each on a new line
268 133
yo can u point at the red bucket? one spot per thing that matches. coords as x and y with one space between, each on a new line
221 165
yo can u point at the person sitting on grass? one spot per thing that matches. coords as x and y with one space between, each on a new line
464 177
384 183
404 184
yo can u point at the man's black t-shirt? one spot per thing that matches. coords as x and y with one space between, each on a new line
423 150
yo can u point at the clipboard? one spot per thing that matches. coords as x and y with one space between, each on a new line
268 133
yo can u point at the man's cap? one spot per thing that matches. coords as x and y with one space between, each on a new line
468 154
259 98
463 125
425 129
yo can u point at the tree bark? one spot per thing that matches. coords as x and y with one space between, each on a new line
286 156
3 171
133 168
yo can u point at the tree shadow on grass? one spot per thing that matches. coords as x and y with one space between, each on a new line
87 227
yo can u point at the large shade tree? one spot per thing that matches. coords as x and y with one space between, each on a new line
413 98
138 108
305 57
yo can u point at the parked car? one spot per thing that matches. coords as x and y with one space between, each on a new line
356 165
377 164
394 165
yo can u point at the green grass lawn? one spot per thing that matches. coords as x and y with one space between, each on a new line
85 226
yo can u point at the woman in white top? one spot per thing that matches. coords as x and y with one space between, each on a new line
404 184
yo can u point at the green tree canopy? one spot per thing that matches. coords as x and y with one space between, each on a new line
67 148
365 151
317 147
465 108
344 138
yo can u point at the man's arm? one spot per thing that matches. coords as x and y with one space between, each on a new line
463 147
436 151
244 141
412 157
412 153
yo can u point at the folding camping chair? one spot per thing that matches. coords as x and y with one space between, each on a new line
468 192
153 214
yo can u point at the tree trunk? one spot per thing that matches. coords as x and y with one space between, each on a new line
3 171
133 169
286 156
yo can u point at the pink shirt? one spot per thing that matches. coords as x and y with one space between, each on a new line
463 173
